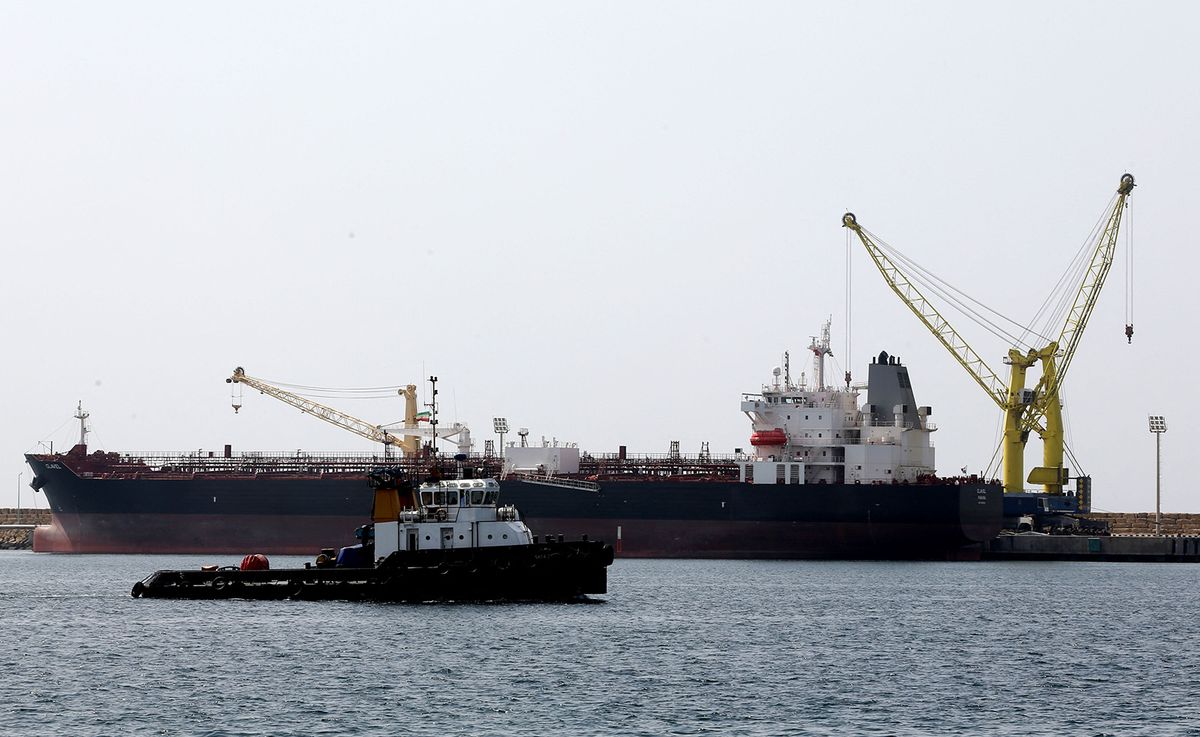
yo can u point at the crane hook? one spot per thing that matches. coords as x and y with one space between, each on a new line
1129 333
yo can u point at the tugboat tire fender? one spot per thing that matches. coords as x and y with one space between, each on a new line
219 583
138 589
442 515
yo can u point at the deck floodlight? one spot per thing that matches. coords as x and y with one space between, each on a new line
1158 423
500 425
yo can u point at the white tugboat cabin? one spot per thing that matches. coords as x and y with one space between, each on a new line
458 513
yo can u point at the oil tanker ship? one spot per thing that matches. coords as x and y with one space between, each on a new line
827 477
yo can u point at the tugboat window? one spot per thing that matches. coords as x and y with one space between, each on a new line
439 498
427 498
452 498
477 496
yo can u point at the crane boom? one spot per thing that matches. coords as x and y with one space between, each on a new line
407 441
930 317
1047 404
1093 281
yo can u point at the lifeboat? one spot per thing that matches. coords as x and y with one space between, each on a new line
768 437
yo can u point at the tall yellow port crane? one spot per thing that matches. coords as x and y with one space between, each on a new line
1024 409
408 438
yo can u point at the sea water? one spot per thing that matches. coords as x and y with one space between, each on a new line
675 648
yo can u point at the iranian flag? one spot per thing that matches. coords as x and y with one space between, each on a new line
423 417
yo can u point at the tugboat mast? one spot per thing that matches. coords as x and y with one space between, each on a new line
433 411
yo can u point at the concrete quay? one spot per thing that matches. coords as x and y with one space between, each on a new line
1109 548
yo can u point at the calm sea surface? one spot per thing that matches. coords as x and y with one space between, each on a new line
677 648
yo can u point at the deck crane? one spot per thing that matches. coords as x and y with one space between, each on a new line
1025 410
407 438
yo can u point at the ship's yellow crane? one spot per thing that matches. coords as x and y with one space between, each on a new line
408 438
1025 410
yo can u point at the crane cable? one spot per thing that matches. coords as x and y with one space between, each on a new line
947 291
325 392
1129 271
1067 286
849 250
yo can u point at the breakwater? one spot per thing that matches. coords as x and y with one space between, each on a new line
1142 523
17 538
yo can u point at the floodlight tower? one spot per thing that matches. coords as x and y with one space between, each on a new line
1158 426
500 425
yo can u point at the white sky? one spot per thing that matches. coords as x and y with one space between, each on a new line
602 221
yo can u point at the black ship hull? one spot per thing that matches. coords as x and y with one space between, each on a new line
299 513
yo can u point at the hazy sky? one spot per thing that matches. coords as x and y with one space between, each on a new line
603 221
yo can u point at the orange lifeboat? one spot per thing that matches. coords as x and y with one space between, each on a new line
768 437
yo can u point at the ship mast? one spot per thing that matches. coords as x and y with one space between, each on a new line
820 350
83 428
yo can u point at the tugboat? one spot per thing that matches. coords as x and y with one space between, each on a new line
451 540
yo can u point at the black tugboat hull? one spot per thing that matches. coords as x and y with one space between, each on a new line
539 572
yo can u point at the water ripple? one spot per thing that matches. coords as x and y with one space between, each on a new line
680 648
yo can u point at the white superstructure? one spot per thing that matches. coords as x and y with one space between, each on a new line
822 435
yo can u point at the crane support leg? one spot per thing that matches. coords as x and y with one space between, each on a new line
1014 433
1050 474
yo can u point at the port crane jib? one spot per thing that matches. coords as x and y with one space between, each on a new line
406 437
1037 410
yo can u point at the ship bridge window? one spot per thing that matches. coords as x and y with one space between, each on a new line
452 498
477 496
426 498
490 497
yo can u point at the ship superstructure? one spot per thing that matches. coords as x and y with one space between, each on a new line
821 435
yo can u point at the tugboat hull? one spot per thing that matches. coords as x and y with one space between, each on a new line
538 572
